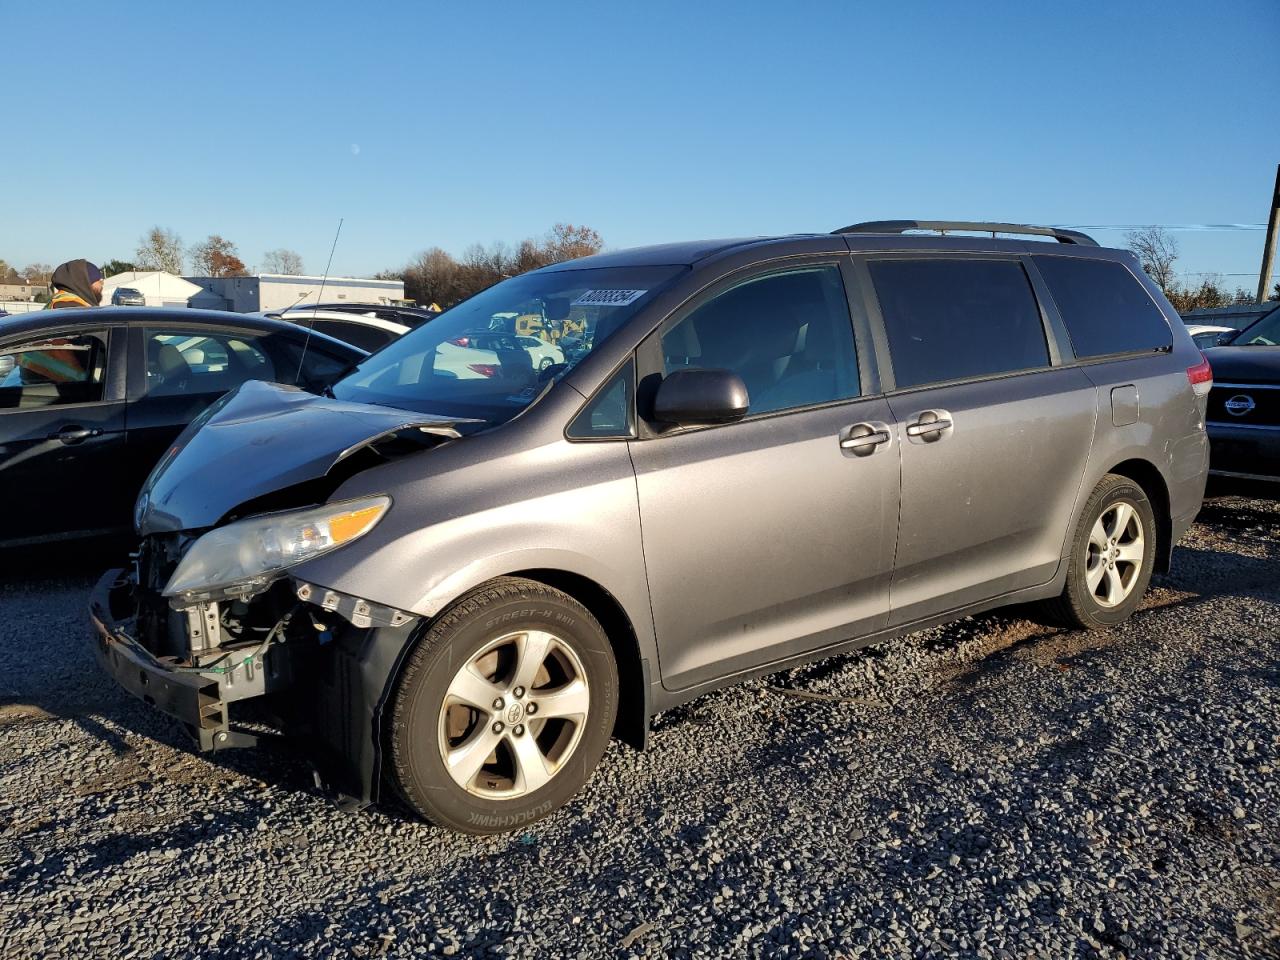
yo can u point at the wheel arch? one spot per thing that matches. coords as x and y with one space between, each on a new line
1148 476
632 723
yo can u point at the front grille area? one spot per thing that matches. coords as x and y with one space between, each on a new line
1230 404
160 628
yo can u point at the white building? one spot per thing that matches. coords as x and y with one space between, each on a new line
277 291
160 289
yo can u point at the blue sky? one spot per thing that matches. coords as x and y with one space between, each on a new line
425 124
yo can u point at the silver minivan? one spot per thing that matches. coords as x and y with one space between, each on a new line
461 576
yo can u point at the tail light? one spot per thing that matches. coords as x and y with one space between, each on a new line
461 341
1200 377
485 369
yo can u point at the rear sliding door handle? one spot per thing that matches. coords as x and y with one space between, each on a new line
929 425
863 439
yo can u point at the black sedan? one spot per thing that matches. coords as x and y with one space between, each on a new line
1244 405
90 400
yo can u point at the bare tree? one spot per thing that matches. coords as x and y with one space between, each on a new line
282 261
1157 251
434 276
38 273
216 257
159 249
564 241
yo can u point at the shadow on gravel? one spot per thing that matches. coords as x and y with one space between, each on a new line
1214 573
1234 516
133 839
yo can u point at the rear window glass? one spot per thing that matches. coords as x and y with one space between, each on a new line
1106 309
951 319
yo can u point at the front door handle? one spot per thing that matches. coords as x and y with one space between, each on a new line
930 426
75 434
863 439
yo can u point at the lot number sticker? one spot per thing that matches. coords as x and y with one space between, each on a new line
608 298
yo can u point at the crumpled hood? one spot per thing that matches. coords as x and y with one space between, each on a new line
260 438
1256 364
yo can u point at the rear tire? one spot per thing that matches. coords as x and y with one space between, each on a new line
1112 557
504 708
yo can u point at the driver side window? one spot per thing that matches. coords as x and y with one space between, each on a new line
787 334
54 370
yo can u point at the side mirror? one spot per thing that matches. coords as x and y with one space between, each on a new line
1225 338
689 397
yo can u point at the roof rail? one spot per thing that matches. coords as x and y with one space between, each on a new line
902 226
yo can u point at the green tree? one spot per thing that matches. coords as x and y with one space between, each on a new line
113 267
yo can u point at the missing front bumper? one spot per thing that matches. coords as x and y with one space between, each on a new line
199 700
331 708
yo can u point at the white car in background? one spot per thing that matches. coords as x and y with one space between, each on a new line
542 353
1206 334
361 330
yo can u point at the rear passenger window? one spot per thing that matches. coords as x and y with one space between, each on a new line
787 335
357 334
951 319
1105 307
180 362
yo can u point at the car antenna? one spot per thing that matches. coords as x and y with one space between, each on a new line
319 297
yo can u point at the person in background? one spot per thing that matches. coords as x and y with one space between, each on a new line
76 283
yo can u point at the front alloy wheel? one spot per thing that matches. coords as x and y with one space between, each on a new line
503 709
514 715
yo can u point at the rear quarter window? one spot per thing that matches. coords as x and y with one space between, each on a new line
1106 309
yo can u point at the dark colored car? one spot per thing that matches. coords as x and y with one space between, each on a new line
764 452
1244 406
90 399
128 297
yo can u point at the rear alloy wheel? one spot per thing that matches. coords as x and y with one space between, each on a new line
1115 554
1112 556
504 708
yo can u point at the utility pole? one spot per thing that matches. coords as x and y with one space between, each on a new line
1269 251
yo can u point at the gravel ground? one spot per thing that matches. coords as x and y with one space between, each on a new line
992 788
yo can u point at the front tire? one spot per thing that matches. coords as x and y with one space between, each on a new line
504 708
1112 557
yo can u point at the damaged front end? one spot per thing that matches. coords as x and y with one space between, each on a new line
211 627
296 661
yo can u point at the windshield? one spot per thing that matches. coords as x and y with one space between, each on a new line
491 356
1264 332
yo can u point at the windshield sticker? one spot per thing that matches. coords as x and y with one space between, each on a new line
608 298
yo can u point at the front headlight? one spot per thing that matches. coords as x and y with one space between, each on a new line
245 556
